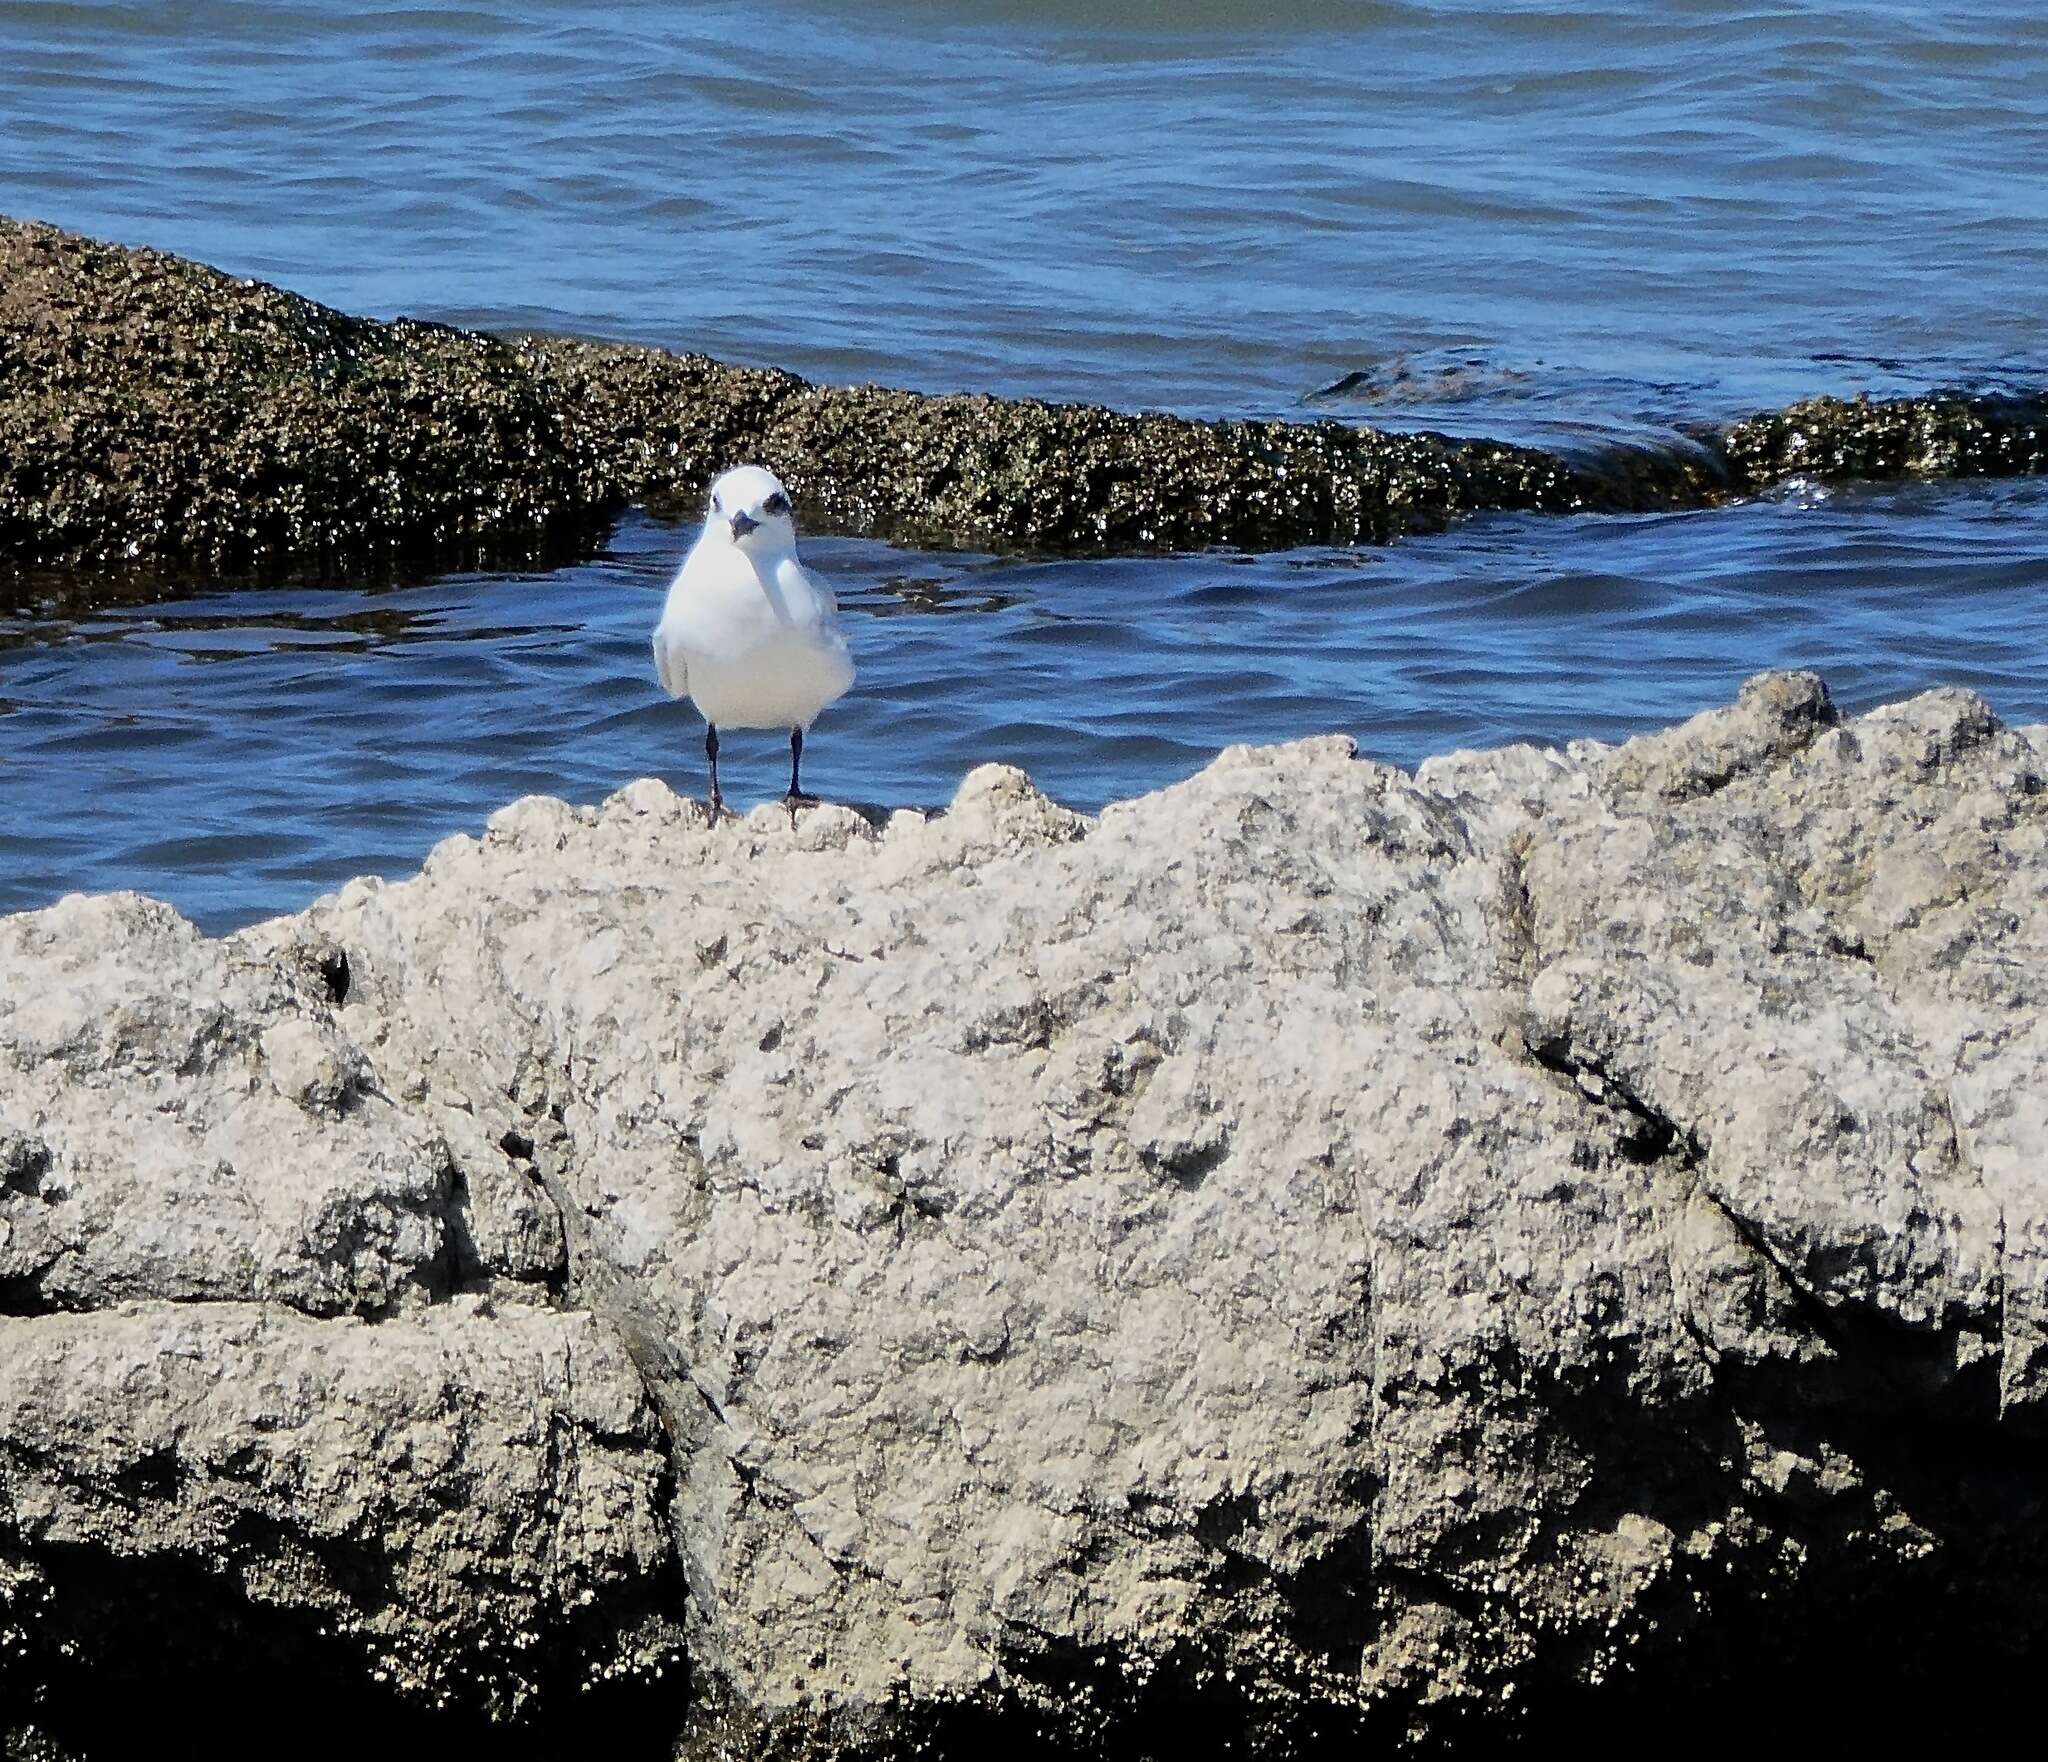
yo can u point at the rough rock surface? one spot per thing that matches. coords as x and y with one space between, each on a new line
158 414
1314 1252
245 1361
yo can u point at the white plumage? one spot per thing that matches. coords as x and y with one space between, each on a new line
749 635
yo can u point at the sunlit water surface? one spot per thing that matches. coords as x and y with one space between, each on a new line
1513 218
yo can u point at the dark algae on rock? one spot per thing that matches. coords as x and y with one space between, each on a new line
156 411
158 414
1946 434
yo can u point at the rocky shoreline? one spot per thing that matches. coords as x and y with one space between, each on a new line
159 415
1316 1255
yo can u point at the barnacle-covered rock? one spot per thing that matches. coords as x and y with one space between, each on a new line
158 414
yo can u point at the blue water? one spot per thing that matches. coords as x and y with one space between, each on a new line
1669 208
240 752
1514 219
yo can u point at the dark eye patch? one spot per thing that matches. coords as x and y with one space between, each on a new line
778 503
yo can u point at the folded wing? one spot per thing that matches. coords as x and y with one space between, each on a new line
821 590
675 677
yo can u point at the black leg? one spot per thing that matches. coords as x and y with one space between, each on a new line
796 760
711 753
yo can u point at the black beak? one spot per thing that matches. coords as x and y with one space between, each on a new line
742 524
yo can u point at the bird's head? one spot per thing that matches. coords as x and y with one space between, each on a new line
750 509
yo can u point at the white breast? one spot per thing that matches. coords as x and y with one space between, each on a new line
752 647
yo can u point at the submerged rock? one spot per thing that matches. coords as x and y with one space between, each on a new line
1312 1254
159 414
